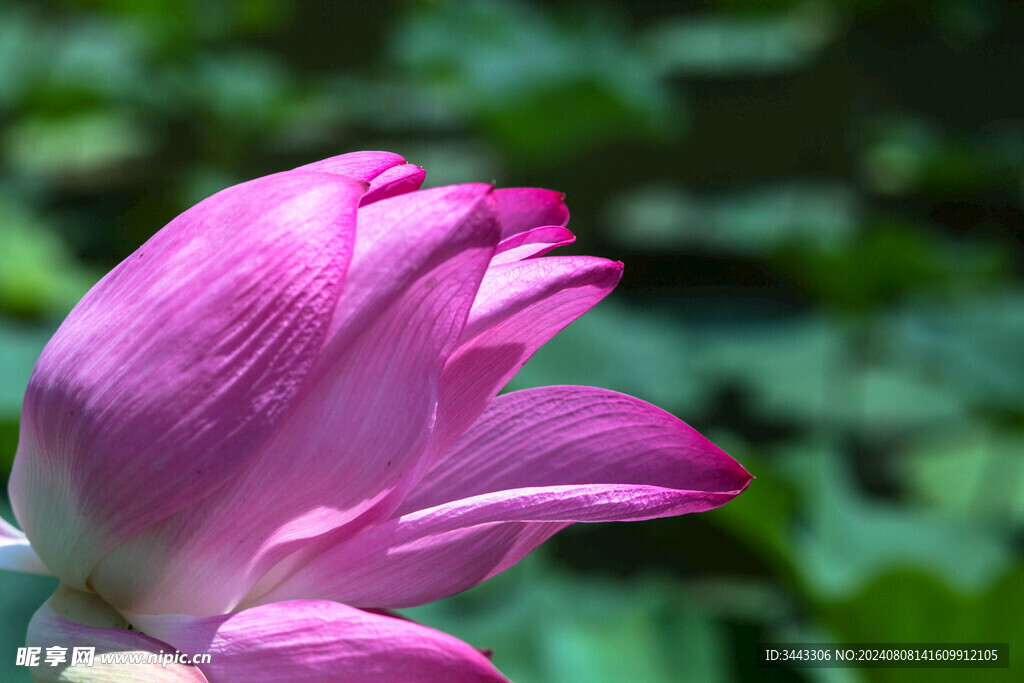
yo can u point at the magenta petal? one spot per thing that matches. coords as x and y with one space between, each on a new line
524 208
531 243
169 375
50 629
386 172
394 181
322 641
419 262
16 552
556 436
363 166
534 462
519 307
355 434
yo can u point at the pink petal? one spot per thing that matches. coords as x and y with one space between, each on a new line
387 173
50 629
394 181
364 166
534 462
165 380
524 208
519 307
354 436
531 243
16 552
321 641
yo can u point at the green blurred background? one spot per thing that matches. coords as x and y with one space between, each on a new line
821 210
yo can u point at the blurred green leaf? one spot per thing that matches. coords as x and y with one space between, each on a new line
21 596
763 515
973 472
917 607
756 221
842 540
633 352
546 627
805 514
971 345
19 349
185 22
17 38
804 370
727 45
38 273
9 434
448 163
87 148
542 88
891 261
248 88
904 153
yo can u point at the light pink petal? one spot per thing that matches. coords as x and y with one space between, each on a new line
16 552
356 434
322 641
524 208
519 307
50 629
534 462
169 375
531 243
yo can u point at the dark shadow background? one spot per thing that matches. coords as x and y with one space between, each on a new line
819 205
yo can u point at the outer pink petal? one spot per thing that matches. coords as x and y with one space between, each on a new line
524 208
519 307
536 461
49 629
322 641
16 552
164 381
354 437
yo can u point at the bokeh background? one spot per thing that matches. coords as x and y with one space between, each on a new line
821 210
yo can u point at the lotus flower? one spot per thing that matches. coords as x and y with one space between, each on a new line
279 418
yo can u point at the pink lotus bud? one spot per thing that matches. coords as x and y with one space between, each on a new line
281 411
